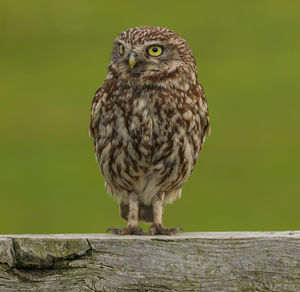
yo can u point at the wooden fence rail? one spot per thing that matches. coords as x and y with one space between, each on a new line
206 261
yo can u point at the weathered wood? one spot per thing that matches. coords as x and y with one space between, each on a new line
220 261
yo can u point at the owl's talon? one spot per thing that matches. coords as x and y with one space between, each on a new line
129 230
176 229
113 230
158 229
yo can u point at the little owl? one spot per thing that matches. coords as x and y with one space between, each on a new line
149 120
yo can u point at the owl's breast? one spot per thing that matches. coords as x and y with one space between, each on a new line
147 142
157 127
141 127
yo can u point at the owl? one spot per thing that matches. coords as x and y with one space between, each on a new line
149 120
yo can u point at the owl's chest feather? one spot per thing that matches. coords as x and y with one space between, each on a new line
147 122
147 139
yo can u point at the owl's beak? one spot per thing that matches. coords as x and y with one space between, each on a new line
132 60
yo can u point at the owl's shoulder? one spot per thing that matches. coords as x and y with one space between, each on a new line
203 112
112 94
95 109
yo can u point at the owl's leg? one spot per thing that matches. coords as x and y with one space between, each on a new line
133 218
157 226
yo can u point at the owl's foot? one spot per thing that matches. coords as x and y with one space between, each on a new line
160 229
129 230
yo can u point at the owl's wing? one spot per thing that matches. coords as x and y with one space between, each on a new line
95 112
203 112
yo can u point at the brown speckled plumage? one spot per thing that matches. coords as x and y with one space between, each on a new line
148 123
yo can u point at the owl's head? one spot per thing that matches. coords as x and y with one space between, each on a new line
151 54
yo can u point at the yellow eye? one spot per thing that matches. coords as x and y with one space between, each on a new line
121 49
155 51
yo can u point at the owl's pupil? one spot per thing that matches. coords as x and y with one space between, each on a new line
155 50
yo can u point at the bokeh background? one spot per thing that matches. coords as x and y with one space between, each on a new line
54 55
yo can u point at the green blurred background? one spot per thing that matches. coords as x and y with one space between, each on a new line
54 55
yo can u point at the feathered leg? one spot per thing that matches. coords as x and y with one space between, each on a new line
133 218
157 227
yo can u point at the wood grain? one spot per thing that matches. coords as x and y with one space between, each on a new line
219 261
